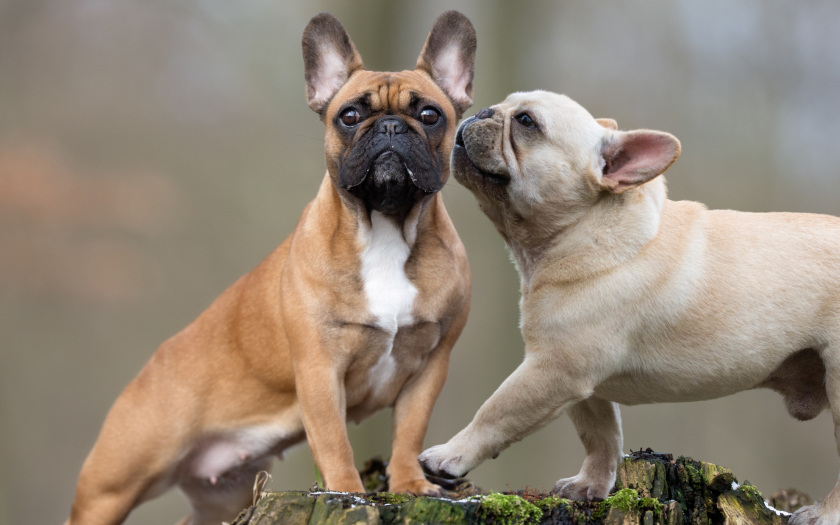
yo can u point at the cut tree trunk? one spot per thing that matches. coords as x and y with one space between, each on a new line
650 489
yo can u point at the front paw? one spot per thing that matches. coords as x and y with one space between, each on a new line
445 462
417 487
583 488
814 515
345 484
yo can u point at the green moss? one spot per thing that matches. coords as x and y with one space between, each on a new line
625 500
431 510
751 491
551 502
390 498
651 504
509 510
711 472
694 474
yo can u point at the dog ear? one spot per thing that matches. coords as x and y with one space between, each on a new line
329 58
607 123
632 158
449 56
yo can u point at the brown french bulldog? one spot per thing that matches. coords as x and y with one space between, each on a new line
356 311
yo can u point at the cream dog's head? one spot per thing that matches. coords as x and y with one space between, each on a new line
538 161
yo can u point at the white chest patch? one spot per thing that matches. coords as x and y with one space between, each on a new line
390 295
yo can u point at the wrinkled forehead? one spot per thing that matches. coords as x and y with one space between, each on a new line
390 91
560 117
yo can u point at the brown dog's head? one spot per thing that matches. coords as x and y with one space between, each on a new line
538 161
389 135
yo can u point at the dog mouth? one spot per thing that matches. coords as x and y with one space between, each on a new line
463 164
391 171
459 137
388 186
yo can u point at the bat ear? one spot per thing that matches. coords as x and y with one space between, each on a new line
607 123
449 58
631 158
329 58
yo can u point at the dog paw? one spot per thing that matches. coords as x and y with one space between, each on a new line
442 462
418 487
814 515
582 488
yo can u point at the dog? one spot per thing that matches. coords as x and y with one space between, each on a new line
628 297
356 311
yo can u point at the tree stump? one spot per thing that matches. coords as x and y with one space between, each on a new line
651 489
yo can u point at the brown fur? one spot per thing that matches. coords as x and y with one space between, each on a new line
289 352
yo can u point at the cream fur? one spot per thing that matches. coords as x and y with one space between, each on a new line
632 298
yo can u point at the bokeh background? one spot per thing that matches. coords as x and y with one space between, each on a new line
152 152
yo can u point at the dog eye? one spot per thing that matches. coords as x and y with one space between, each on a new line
525 120
350 117
429 116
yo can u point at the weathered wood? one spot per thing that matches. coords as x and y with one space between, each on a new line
651 489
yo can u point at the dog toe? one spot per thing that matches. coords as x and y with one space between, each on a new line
435 462
419 487
580 489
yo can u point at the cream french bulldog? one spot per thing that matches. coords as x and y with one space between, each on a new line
356 311
628 297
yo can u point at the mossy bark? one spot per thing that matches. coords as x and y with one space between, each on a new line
651 489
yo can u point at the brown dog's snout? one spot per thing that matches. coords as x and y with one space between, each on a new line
391 125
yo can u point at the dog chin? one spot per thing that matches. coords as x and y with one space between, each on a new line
474 178
388 187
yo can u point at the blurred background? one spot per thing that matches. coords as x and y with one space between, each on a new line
152 152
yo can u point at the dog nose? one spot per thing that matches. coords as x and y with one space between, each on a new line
484 113
391 125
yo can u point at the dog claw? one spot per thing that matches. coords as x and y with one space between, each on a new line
437 462
214 480
446 484
581 488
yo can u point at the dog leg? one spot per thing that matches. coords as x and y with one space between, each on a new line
213 503
98 506
323 406
598 424
129 463
826 512
412 411
533 395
